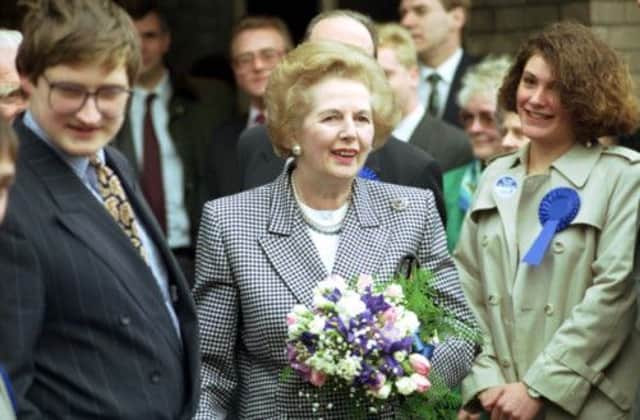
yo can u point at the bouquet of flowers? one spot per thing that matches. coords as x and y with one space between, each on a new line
368 341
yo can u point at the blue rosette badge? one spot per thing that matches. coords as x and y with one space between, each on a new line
557 210
368 173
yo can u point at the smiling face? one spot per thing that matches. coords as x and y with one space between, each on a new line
85 131
478 120
544 118
337 133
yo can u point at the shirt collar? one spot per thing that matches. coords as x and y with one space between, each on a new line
253 113
408 124
446 70
78 164
162 89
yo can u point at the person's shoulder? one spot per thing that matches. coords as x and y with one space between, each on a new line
407 153
621 154
501 161
245 204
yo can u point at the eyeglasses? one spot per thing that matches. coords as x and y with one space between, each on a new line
269 56
12 95
67 98
487 119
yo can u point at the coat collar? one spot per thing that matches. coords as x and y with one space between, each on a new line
293 254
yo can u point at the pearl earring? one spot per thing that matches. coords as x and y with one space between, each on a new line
296 150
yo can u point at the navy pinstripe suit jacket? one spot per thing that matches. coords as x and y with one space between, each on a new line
83 327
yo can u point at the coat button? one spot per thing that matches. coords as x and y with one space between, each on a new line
505 363
484 241
548 309
125 320
494 299
154 377
557 247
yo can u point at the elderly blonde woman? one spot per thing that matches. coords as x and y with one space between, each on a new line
263 251
477 98
547 254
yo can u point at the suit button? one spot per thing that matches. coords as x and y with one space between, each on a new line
484 241
548 309
505 363
155 377
125 321
558 247
494 300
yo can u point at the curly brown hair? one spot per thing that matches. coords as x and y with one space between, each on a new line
595 85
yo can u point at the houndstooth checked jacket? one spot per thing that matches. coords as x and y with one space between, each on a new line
255 260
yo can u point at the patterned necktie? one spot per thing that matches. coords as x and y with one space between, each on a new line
259 119
151 176
116 202
434 97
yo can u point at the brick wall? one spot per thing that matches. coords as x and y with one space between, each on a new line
498 26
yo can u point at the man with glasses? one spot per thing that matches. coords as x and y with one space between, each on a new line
97 319
257 45
12 98
167 132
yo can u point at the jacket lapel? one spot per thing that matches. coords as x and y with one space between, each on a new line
288 246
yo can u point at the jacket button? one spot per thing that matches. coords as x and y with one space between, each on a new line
154 377
125 320
484 241
558 247
548 309
505 363
494 299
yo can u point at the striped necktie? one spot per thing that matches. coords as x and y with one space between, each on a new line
117 203
433 107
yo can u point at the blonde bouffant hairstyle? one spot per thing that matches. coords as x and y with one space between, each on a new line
594 82
288 98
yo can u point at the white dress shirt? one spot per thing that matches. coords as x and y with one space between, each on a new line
178 229
405 128
447 71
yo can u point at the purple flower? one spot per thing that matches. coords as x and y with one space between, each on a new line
334 296
375 303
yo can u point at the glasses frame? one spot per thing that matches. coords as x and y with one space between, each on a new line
487 119
244 61
87 94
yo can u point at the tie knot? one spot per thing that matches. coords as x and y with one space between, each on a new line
433 79
95 161
259 119
150 98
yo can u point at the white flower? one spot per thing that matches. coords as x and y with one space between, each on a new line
400 355
322 303
299 310
350 305
364 281
332 282
406 385
383 392
407 322
316 326
394 292
349 367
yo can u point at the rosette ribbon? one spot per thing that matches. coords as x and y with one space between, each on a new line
557 210
368 173
420 347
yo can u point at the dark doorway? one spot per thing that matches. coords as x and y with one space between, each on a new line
380 11
295 13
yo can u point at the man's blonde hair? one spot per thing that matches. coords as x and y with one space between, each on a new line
397 38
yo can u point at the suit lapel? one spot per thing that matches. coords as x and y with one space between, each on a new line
88 220
288 246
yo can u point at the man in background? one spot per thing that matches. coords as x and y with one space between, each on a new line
257 45
166 134
97 318
12 98
436 27
448 144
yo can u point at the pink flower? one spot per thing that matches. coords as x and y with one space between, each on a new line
291 319
317 378
420 364
390 315
422 383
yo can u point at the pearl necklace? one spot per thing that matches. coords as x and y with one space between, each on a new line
324 228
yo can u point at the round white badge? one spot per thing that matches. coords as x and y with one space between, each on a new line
505 186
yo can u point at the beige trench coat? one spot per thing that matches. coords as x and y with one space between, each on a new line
565 327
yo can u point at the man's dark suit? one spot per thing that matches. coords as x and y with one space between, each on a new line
222 168
396 162
452 110
84 329
448 144
195 109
